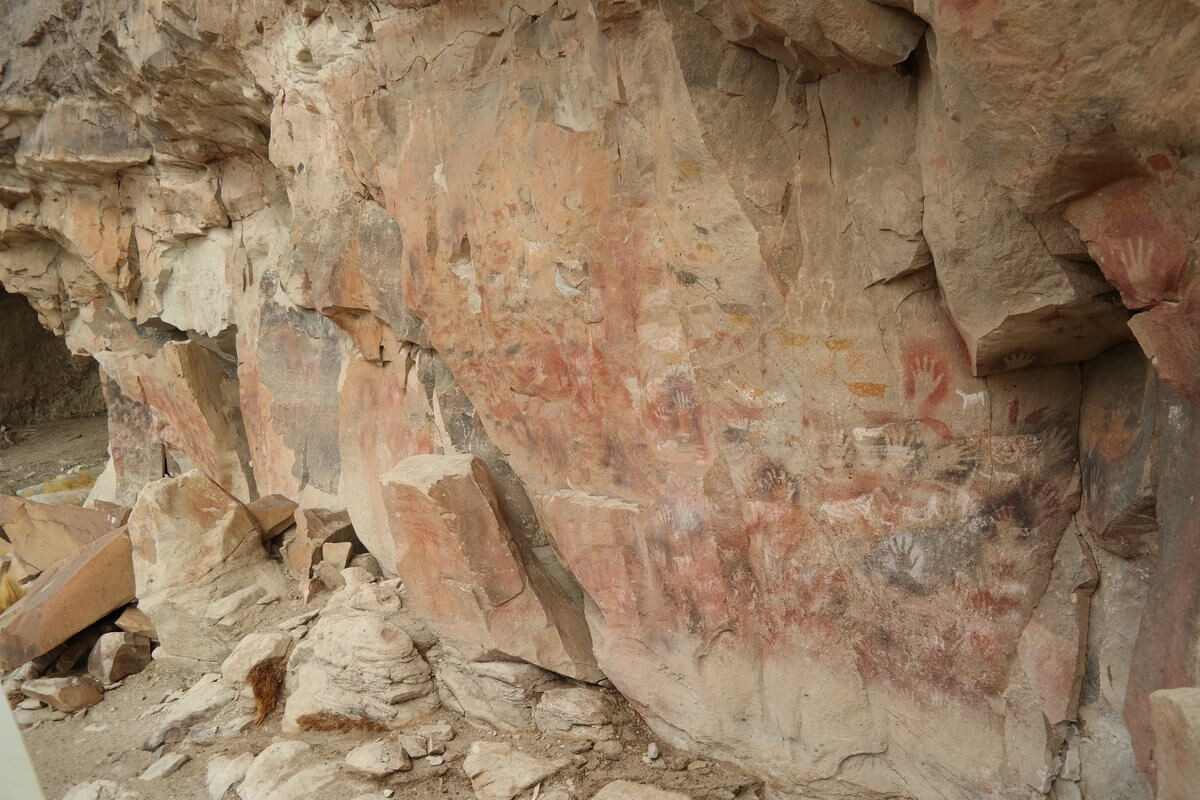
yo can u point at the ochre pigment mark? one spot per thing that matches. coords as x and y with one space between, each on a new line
867 389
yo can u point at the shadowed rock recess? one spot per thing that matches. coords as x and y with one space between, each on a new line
823 375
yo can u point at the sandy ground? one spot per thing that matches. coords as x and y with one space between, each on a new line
42 452
104 742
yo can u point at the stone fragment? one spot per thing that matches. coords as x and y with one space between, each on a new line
608 748
43 534
314 527
117 655
272 514
200 701
415 746
628 790
224 773
450 534
195 545
357 667
379 759
252 650
1175 715
73 594
165 766
575 711
499 771
356 576
65 694
134 620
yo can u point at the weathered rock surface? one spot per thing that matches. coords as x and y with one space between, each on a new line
195 546
574 711
1175 714
223 773
765 318
292 770
117 655
465 572
379 759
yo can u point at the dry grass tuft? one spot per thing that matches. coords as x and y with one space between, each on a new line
265 680
326 721
10 591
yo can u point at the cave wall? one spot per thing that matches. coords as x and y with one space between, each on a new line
825 356
39 380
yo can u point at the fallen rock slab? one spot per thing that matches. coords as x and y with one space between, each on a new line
65 694
314 528
117 655
628 790
499 771
74 593
43 534
204 698
98 790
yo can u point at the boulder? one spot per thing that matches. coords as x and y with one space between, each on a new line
499 771
253 650
628 790
117 655
226 772
98 790
65 694
357 668
196 548
498 694
71 595
42 534
202 700
292 770
575 711
468 575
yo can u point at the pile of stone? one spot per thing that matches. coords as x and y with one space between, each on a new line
283 607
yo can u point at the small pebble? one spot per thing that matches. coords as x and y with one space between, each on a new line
652 751
436 760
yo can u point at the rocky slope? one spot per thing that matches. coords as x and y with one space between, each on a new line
823 374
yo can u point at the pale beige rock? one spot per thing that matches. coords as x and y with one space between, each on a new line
65 694
134 620
357 662
379 759
117 655
314 528
628 790
575 711
43 534
201 700
223 773
499 771
273 514
498 694
292 770
164 766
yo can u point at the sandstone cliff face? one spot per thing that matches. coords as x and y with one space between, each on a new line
835 363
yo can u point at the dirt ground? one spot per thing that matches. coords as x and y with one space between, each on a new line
39 453
104 742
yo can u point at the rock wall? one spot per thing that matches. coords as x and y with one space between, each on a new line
822 358
39 381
